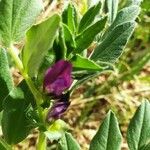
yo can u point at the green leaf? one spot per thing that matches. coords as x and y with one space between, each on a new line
111 8
48 60
108 136
127 14
89 17
67 142
16 16
138 134
16 120
4 145
112 46
59 46
84 40
83 63
38 41
69 39
146 147
117 35
134 2
83 76
6 82
56 130
69 17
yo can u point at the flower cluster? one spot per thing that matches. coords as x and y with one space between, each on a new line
58 79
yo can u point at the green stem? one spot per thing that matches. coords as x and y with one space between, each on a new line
13 52
4 145
41 145
37 95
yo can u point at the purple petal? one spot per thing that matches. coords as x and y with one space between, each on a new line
58 78
57 110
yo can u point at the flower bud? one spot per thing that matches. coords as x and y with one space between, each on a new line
57 110
58 78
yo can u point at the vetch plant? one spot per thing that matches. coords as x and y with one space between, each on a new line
54 57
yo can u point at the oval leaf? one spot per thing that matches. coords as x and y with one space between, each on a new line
38 41
111 8
112 46
67 142
6 81
127 14
70 18
69 39
138 135
83 63
16 16
56 130
134 2
59 46
84 40
16 124
89 17
108 136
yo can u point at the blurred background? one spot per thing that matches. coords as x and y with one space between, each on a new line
121 91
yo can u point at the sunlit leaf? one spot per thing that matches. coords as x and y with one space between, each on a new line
38 41
89 17
70 18
112 46
83 63
16 16
84 39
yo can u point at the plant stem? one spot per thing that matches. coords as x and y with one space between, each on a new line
41 145
4 144
13 52
37 95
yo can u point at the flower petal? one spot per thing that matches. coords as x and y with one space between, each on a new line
58 78
57 110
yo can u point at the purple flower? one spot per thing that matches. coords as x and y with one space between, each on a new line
57 110
58 78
